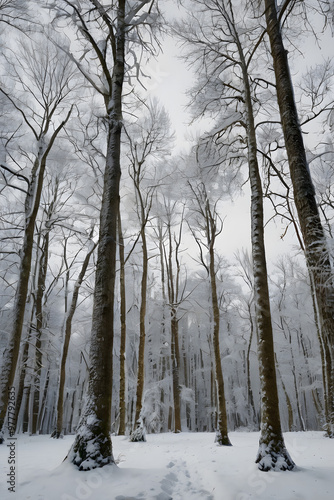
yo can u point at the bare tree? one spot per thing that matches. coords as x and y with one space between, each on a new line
46 82
149 140
206 227
228 53
15 13
176 295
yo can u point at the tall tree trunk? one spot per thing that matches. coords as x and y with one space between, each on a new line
173 297
42 272
92 446
222 433
272 454
162 359
22 388
44 409
138 434
175 355
316 250
250 397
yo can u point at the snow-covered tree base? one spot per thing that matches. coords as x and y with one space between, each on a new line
222 440
275 460
57 435
92 448
329 431
138 435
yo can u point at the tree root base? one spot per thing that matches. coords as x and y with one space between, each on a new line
57 435
222 440
270 460
138 435
92 448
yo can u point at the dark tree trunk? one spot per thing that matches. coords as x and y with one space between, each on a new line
173 297
92 446
316 251
122 374
272 454
138 434
222 432
42 272
175 354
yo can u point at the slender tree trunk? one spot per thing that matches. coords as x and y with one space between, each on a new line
173 292
92 446
25 413
316 250
163 357
42 272
175 354
138 434
222 432
250 397
44 409
67 337
21 391
122 374
288 400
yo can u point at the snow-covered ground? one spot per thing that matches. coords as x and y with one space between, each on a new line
171 466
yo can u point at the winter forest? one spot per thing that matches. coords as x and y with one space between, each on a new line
122 312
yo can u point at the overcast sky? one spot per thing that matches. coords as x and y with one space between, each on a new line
170 78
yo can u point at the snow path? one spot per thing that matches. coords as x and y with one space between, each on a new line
172 467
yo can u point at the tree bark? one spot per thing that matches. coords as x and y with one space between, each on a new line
316 251
272 454
173 298
92 446
42 272
175 354
222 432
138 424
122 374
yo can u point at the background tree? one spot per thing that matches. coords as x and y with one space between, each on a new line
67 337
206 227
149 139
176 295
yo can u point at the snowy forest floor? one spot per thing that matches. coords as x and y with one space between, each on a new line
171 466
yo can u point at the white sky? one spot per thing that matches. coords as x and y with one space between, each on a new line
170 78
